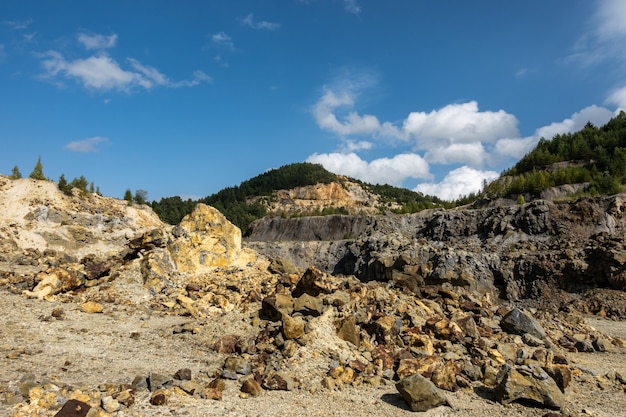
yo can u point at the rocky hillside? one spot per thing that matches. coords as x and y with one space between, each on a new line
516 252
105 308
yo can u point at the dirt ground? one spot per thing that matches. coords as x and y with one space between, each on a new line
85 351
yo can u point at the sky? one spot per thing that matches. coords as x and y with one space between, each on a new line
186 98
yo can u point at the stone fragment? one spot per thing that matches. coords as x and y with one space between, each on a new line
519 322
382 357
91 307
308 305
385 329
127 397
58 313
313 282
293 328
600 345
235 365
158 397
534 385
212 394
561 374
73 408
277 381
349 331
218 384
226 344
109 404
190 387
274 306
157 381
251 387
584 346
420 393
183 374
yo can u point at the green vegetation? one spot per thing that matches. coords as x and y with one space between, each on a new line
596 156
79 183
15 173
37 173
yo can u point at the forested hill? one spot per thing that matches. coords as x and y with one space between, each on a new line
248 201
594 156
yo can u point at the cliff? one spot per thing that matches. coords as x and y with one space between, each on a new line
517 251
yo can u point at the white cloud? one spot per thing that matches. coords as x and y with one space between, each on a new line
379 171
249 21
459 182
86 145
222 40
515 148
594 114
97 41
102 72
473 154
459 123
610 19
618 97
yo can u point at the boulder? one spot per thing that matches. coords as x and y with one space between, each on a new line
531 384
519 322
205 239
420 394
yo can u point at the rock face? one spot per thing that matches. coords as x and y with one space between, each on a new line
514 252
205 239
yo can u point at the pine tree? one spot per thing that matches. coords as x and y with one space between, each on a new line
37 173
64 186
15 173
128 196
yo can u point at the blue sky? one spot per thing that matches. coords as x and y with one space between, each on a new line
186 98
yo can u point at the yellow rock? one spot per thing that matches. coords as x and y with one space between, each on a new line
209 241
91 307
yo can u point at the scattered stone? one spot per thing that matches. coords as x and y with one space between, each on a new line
251 387
584 345
158 397
234 365
58 313
349 331
308 305
274 306
293 328
91 307
73 408
534 385
600 345
420 393
278 381
561 374
109 404
517 321
183 374
157 381
127 397
226 344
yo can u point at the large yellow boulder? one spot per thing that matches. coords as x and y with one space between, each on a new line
207 240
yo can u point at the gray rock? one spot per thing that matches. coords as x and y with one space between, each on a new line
420 394
517 321
528 384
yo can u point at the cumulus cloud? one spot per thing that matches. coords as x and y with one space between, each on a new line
594 114
459 123
473 154
86 145
459 182
104 73
249 21
379 171
97 41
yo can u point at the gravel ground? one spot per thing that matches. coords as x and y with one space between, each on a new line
83 351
